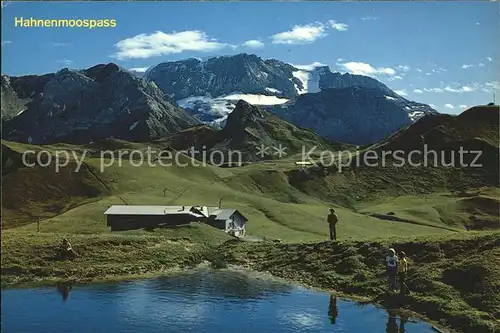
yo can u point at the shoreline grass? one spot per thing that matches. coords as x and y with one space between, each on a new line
440 279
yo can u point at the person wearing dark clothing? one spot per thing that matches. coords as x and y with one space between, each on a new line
392 268
332 309
332 222
66 250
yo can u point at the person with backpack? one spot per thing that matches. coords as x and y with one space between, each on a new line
332 222
392 268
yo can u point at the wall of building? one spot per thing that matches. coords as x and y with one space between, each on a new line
236 223
130 222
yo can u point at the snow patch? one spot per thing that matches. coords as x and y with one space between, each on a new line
208 105
133 126
274 91
415 115
309 79
262 74
139 69
256 99
217 109
309 67
391 98
20 112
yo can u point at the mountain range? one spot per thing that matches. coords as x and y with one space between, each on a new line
78 106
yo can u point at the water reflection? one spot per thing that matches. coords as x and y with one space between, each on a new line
221 284
333 311
201 301
64 288
392 325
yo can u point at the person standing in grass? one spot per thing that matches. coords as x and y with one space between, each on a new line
402 270
332 222
392 268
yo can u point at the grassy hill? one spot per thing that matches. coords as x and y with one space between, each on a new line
265 195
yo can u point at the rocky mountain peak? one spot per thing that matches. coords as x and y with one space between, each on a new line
243 115
100 72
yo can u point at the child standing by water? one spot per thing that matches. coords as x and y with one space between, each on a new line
402 270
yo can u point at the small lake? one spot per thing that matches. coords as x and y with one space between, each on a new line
199 301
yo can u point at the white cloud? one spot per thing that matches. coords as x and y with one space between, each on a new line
489 58
6 42
253 44
436 90
463 106
418 91
362 68
459 89
309 67
159 43
300 34
337 26
394 78
340 59
439 70
65 62
403 68
449 106
453 89
304 34
432 106
139 69
465 66
419 70
401 92
491 87
369 18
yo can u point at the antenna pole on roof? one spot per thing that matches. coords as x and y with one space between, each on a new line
220 203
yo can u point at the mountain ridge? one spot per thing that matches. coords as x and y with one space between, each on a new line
209 89
79 106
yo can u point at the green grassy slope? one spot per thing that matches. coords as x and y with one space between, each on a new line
453 279
274 207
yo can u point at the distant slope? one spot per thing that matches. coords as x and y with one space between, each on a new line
369 176
248 128
82 106
39 191
353 115
476 129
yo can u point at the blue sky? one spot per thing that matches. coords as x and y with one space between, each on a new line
441 53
